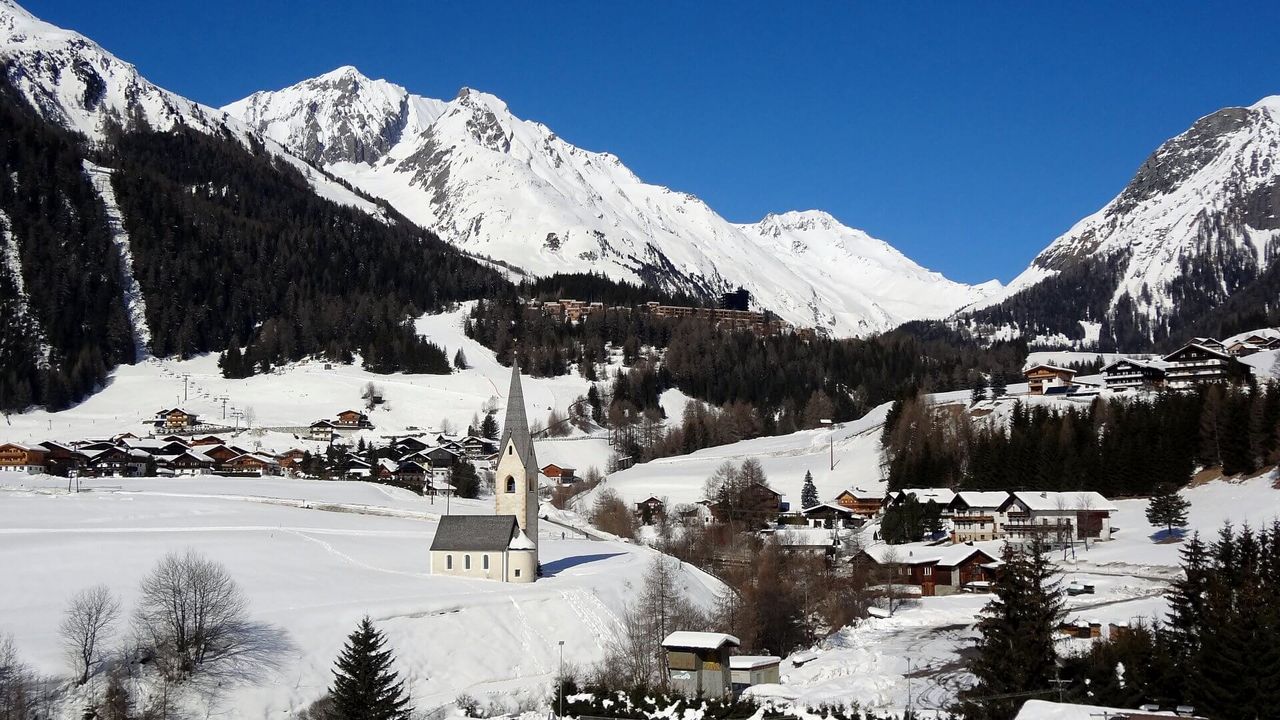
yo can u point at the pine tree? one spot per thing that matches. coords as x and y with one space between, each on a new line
979 392
364 685
808 493
1168 509
489 427
1016 651
460 360
997 384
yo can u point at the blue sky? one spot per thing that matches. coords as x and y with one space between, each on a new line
968 135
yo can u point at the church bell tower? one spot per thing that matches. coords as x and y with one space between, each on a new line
516 480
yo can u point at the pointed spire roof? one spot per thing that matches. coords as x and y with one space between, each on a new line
516 426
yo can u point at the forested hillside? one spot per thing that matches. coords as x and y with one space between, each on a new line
1119 447
230 245
62 318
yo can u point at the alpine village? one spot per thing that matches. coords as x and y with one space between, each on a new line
339 402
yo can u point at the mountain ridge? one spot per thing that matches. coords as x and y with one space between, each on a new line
512 189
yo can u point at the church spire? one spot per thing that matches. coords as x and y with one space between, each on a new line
516 426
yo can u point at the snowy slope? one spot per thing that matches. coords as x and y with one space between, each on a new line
1208 195
75 83
314 574
511 189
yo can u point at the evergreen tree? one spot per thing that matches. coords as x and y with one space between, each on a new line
1168 509
997 384
808 493
1015 654
364 685
460 360
489 427
465 481
979 392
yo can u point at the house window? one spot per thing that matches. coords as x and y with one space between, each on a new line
466 562
448 562
928 571
517 572
486 561
511 484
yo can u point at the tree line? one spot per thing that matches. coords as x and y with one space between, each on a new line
1119 446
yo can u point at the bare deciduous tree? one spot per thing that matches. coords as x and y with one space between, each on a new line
86 626
192 612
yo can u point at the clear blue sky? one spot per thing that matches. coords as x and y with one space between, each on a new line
968 135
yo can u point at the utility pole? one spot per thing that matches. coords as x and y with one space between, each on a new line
185 378
236 414
908 713
223 399
831 440
560 681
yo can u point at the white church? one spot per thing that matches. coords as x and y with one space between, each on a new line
502 546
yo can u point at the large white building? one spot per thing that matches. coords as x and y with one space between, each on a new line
502 546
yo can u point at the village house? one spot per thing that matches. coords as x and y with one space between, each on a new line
188 462
15 458
935 570
559 475
118 461
322 431
251 464
941 496
758 503
976 516
62 460
1045 379
860 502
1068 516
411 474
831 515
816 542
1132 373
175 419
1200 362
650 509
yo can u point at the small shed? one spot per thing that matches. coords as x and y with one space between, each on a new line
698 662
748 670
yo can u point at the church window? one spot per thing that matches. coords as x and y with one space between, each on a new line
466 562
448 562
486 561
511 484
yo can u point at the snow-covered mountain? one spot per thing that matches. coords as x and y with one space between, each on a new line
496 185
75 83
1196 225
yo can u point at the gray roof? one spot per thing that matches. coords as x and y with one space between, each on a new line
516 427
475 532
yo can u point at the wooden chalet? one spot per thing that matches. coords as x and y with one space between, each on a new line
187 463
936 570
251 464
861 503
119 461
322 430
207 440
650 509
62 459
15 458
759 503
1196 363
352 419
1132 373
1045 379
559 474
175 418
411 474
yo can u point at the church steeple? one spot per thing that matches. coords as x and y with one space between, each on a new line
516 426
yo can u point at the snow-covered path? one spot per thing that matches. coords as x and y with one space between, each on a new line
134 302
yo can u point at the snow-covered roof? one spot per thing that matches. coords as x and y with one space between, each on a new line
700 640
1047 366
982 498
806 537
1084 500
833 506
521 542
1156 363
1045 710
945 556
942 496
751 662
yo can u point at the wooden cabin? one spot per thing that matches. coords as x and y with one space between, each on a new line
1045 379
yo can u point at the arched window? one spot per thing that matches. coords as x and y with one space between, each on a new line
466 562
486 561
448 562
511 484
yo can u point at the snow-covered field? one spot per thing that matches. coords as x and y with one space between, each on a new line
313 563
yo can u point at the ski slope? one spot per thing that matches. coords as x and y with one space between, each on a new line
313 573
